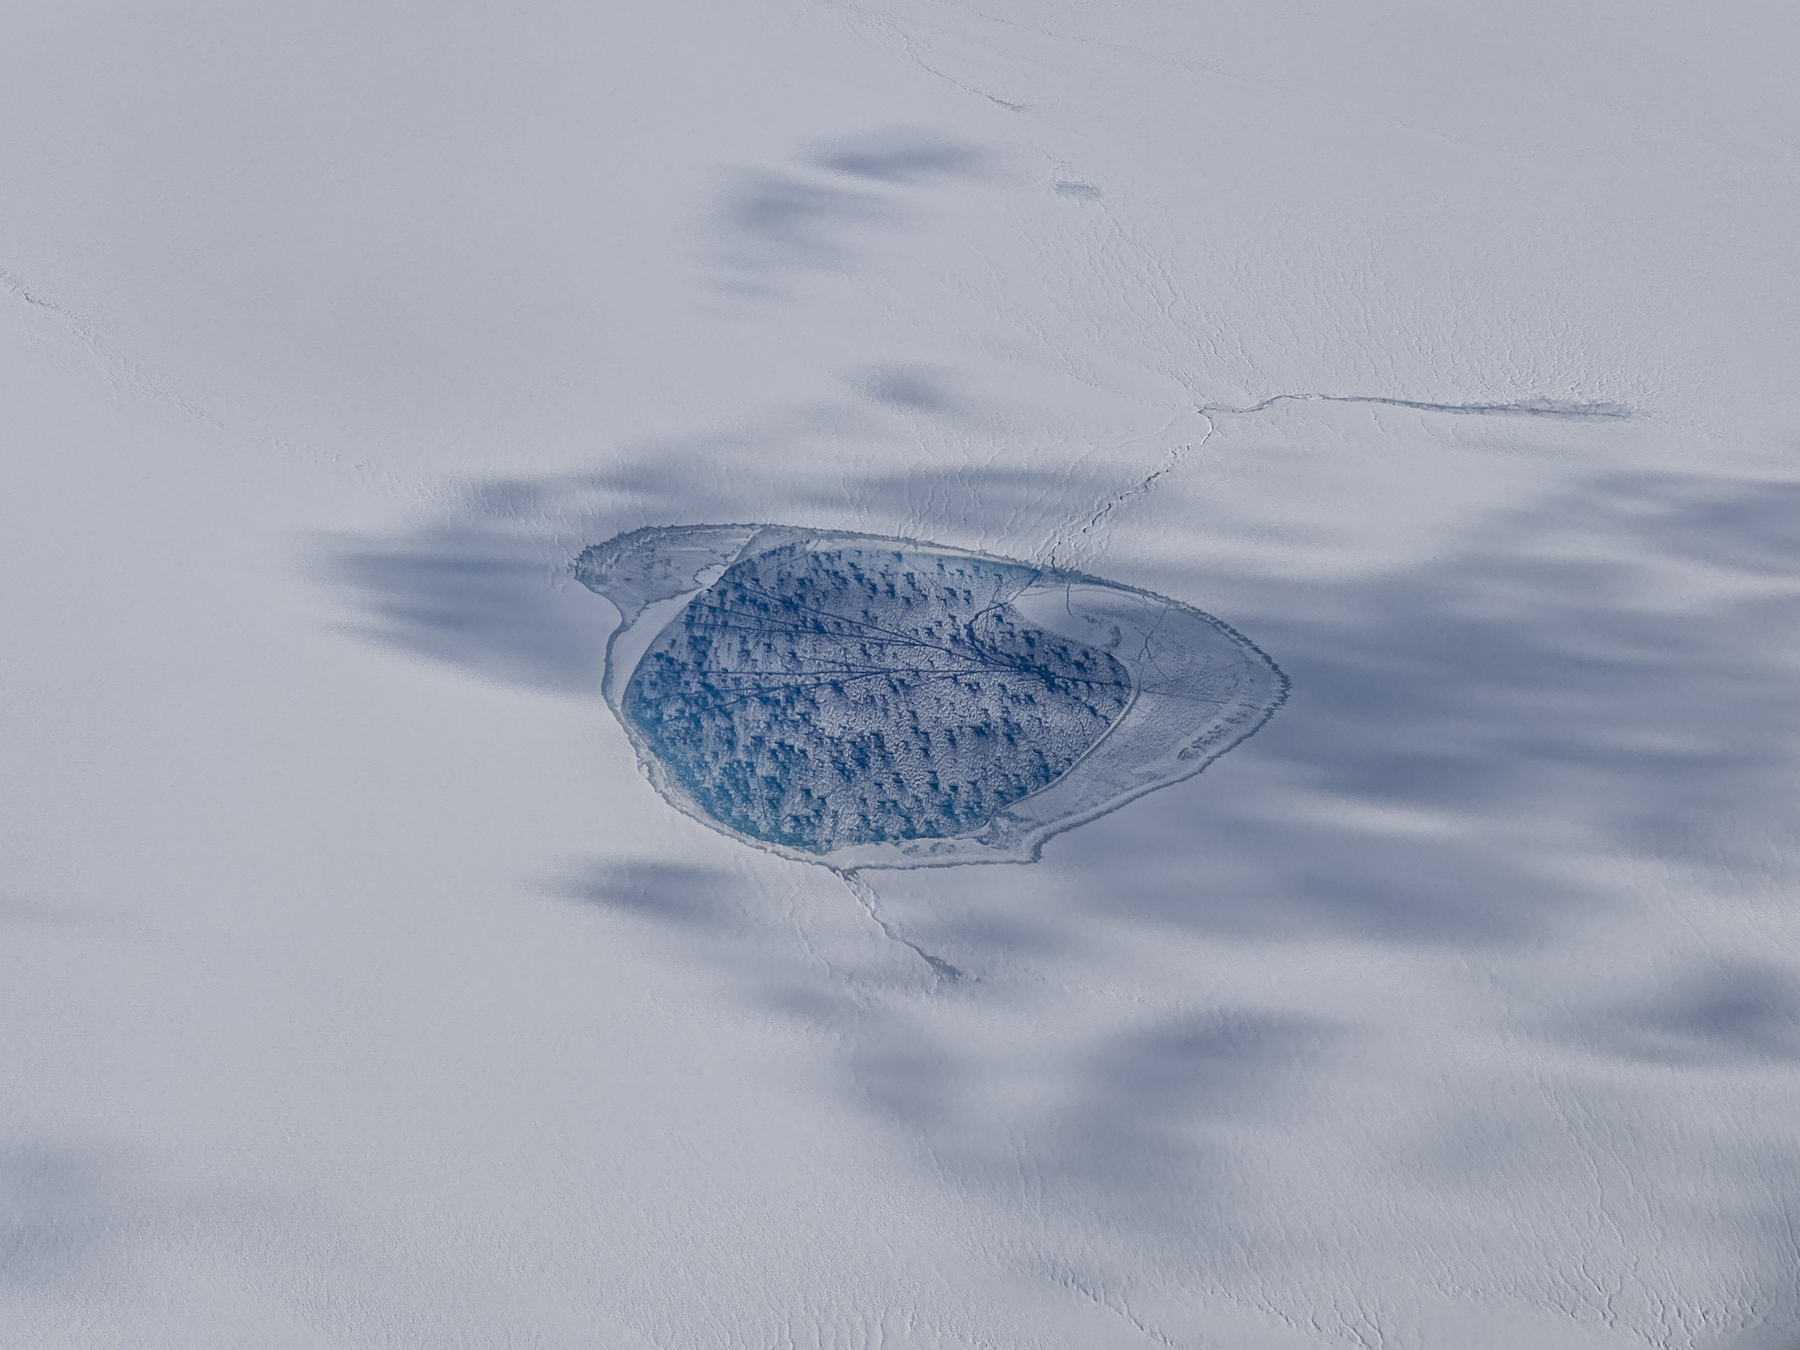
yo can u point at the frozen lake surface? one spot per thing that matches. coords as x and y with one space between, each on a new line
878 702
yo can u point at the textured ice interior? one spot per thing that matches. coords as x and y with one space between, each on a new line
821 699
866 701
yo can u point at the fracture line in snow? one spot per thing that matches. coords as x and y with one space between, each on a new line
910 49
865 896
1531 407
127 375
1120 1310
122 371
1212 412
17 289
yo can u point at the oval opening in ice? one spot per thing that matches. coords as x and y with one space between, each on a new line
869 702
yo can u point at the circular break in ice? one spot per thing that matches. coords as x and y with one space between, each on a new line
867 702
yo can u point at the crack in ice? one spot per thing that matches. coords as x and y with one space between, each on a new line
865 896
1212 412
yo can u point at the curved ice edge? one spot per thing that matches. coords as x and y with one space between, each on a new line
650 575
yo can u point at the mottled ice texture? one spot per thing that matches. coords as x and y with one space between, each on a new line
860 695
871 702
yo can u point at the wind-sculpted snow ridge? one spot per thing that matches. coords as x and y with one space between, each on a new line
870 702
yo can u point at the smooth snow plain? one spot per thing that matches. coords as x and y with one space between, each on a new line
361 989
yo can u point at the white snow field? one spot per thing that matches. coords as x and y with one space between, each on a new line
360 989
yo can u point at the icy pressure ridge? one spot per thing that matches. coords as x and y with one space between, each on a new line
870 702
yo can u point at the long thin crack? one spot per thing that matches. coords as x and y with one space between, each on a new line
865 896
16 288
1106 508
129 375
1212 412
1119 1310
123 372
1531 407
85 329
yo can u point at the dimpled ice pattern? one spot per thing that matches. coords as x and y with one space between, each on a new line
861 695
862 701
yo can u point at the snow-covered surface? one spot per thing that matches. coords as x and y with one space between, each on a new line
359 990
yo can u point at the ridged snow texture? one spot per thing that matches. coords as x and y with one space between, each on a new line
823 699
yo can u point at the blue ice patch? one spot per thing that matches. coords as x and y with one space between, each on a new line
870 702
820 699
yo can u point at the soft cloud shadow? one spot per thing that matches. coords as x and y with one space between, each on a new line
909 388
1739 1013
56 1218
1141 1131
769 223
1447 724
1135 1131
487 602
903 155
688 894
776 222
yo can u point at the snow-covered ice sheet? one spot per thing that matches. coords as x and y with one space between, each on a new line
361 988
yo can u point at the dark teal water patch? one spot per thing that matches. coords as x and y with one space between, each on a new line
819 699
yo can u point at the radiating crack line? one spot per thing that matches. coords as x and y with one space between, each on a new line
1531 407
129 375
865 896
1212 412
